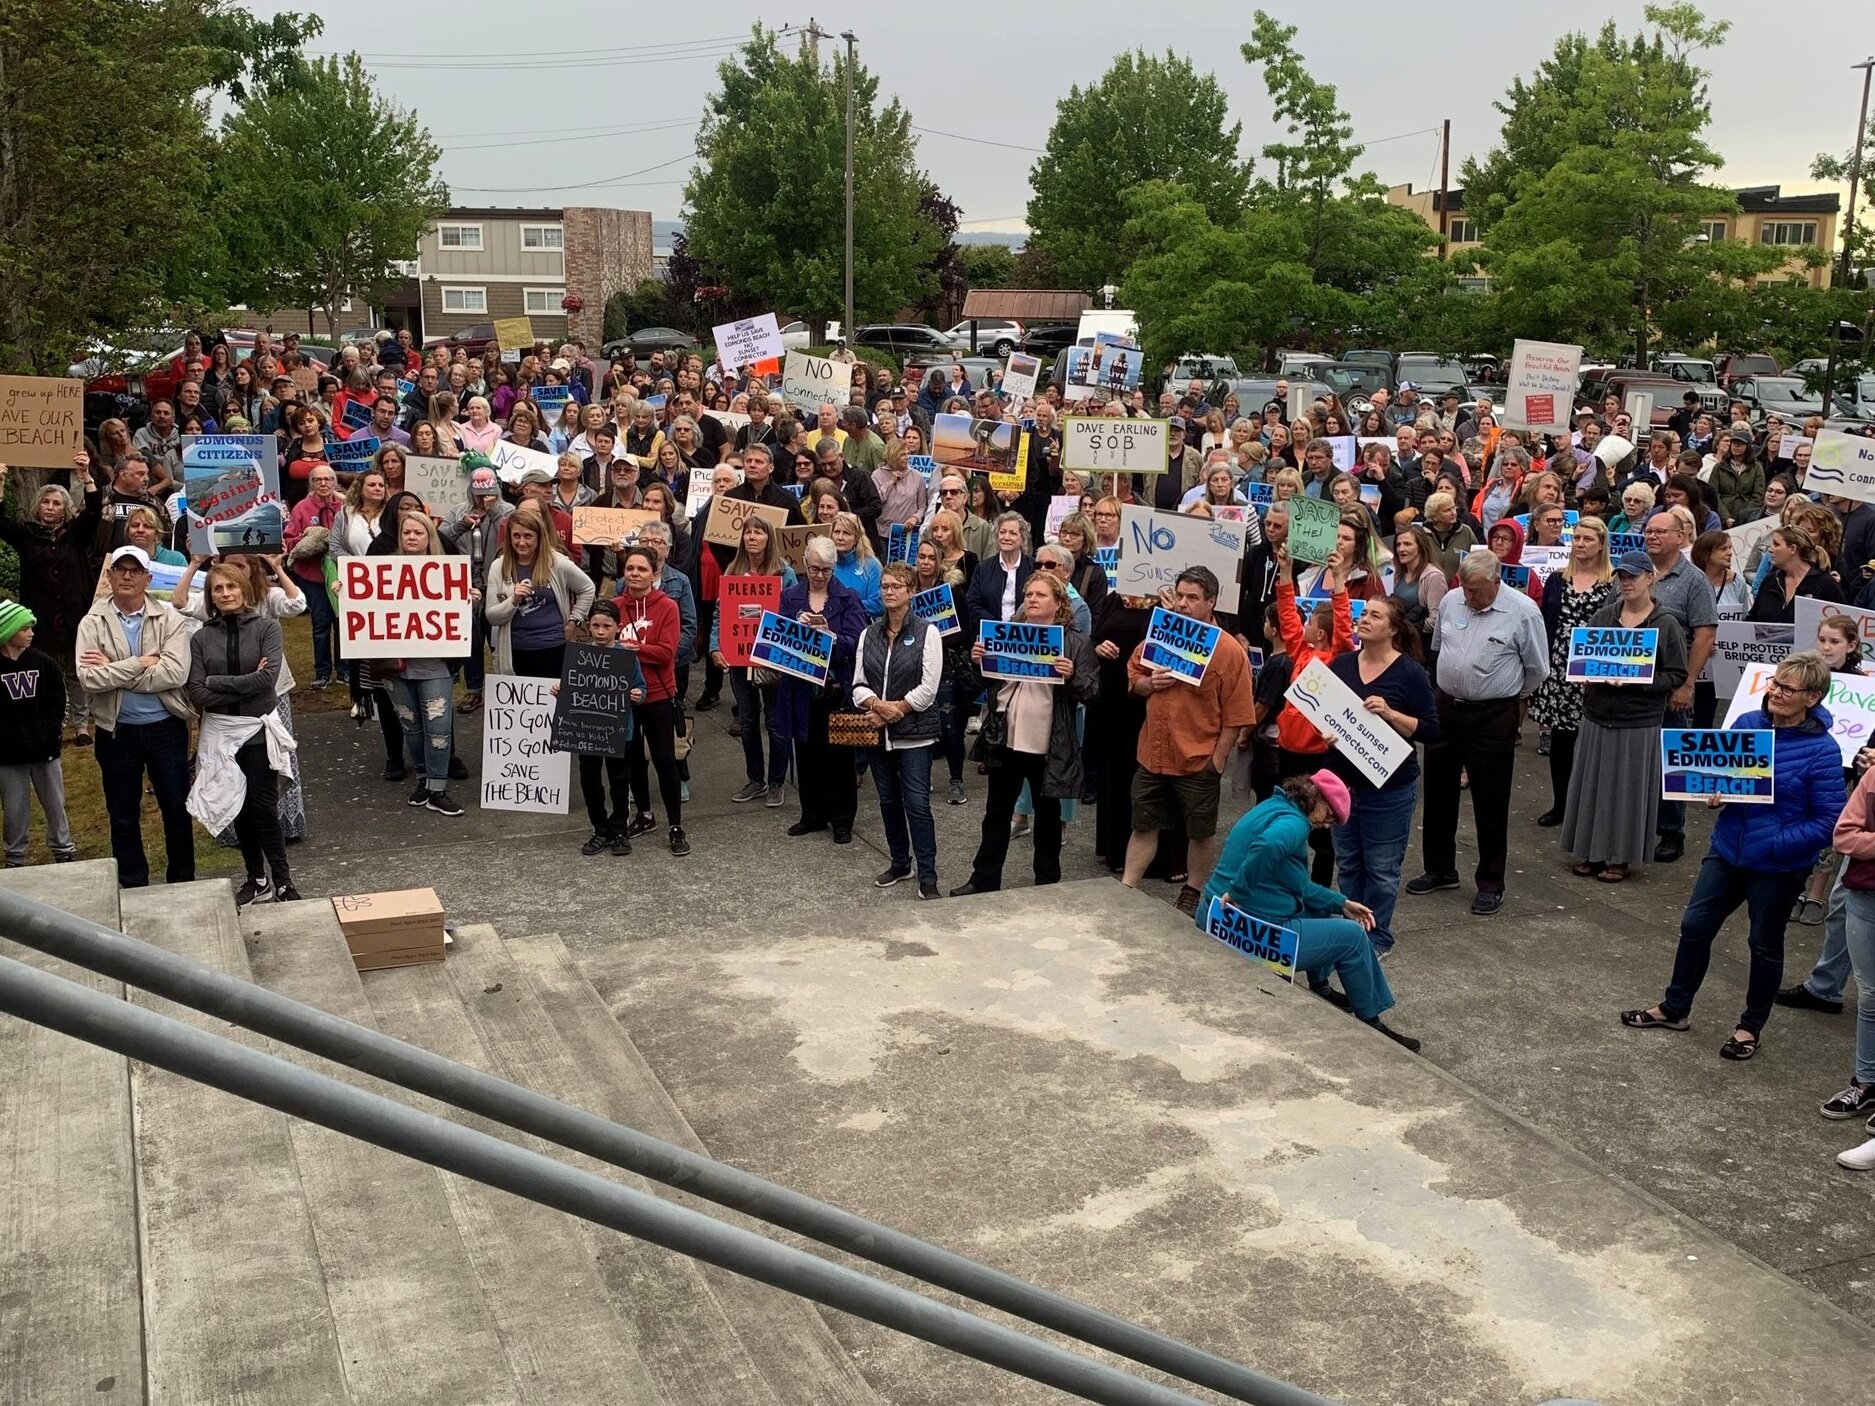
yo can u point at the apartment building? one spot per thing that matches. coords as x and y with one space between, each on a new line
1765 215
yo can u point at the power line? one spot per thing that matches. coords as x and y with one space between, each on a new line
978 141
473 65
673 44
594 134
582 185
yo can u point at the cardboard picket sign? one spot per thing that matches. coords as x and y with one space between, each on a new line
728 514
741 603
594 526
520 768
1155 546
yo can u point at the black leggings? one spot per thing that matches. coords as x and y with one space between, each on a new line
656 729
1562 761
257 827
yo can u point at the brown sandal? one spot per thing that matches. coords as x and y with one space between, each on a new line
1585 870
1614 874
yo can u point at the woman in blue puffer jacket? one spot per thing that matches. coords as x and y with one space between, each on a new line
1761 855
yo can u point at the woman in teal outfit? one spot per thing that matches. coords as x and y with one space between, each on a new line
1264 870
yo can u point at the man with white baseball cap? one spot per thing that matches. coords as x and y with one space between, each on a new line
133 659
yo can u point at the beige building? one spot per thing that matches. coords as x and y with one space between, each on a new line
1765 215
556 267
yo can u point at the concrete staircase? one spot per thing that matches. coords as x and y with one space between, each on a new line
163 1242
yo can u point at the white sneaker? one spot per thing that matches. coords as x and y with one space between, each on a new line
1859 1159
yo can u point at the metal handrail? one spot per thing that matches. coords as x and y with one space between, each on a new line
190 983
168 1043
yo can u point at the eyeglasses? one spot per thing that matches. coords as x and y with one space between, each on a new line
1106 517
951 492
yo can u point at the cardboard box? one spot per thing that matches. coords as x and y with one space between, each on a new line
397 929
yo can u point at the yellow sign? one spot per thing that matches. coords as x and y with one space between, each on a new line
1013 481
514 333
42 421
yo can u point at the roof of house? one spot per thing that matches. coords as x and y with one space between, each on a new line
1026 304
1769 200
492 213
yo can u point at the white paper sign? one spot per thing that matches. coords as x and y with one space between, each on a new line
1541 391
699 493
1061 507
1739 644
1746 537
513 460
1106 444
1851 705
809 382
1787 445
750 340
1809 612
1342 450
404 607
1842 465
520 769
440 483
1155 547
1340 716
1640 408
1020 373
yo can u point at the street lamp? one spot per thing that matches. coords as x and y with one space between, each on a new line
1848 229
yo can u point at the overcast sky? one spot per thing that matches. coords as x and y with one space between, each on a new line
540 117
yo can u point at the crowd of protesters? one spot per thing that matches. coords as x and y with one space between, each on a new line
1427 609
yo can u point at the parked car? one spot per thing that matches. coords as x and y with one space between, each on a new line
1201 367
1355 382
1481 368
997 336
1736 366
136 376
796 336
1048 338
1666 391
1787 397
474 339
901 339
1254 392
1381 361
1301 363
977 368
659 339
1430 374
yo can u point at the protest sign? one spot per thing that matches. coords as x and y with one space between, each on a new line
921 464
1061 506
1264 943
1545 561
698 493
1073 367
355 416
1850 701
1570 518
1020 374
730 420
514 334
231 483
1156 546
1540 392
808 382
1843 465
1113 363
1314 528
1341 716
592 713
1811 612
973 446
1108 559
1363 441
607 527
740 606
789 647
1102 444
1746 538
1733 764
1739 643
901 544
440 483
395 606
1514 574
1013 649
42 423
1179 645
1342 448
511 461
550 401
1605 654
728 514
794 542
1640 408
163 581
520 769
939 606
354 455
1789 444
1621 543
746 340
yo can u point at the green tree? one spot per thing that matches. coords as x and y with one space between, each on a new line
1311 167
324 185
988 265
764 207
647 305
1593 204
1147 119
104 150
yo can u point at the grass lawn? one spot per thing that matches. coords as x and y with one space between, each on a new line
84 796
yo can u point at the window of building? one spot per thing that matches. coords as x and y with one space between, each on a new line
405 268
465 300
459 236
543 237
1787 232
545 300
1713 230
1462 231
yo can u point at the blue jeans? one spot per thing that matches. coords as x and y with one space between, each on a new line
1717 893
1338 946
423 708
1831 971
903 778
752 717
325 619
1861 935
1671 817
1369 850
160 749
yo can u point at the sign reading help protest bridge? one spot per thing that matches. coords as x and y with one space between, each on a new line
1733 764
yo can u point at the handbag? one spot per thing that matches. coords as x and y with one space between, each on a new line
761 676
853 727
1859 874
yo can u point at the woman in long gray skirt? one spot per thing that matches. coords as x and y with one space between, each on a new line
1614 790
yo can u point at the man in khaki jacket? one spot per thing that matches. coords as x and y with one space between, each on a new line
133 659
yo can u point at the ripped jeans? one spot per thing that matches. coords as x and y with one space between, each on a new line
423 707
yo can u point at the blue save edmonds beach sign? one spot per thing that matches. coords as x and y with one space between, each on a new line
1733 764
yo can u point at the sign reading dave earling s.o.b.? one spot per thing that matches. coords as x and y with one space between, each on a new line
1105 445
405 607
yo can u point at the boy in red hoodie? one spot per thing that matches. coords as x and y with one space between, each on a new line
1329 631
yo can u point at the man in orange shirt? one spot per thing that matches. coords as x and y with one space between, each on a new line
1188 738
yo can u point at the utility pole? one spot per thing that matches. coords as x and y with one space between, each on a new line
810 40
1848 228
1445 184
847 326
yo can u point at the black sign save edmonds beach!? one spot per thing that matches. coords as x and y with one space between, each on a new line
593 711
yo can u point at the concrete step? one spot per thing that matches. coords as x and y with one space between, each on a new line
608 1075
413 1324
569 1340
683 1334
70 1317
234 1296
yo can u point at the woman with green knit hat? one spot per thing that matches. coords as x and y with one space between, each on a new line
32 719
